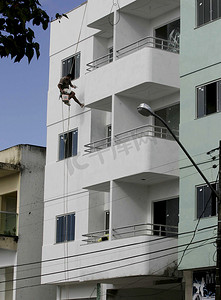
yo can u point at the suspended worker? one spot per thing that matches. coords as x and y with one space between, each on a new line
64 86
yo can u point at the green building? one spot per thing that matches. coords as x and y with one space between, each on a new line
200 120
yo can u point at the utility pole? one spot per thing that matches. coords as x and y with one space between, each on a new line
218 241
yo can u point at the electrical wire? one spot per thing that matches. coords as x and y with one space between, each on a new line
60 197
94 192
197 224
161 239
113 268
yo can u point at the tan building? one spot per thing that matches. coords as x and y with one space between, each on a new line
21 212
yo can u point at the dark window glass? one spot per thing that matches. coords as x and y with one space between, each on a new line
206 201
219 95
200 12
168 35
171 115
68 143
74 142
211 98
65 228
107 220
214 9
166 213
219 8
60 236
208 99
108 134
207 11
72 66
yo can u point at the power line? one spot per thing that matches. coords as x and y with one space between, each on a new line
161 239
114 261
96 192
114 268
197 224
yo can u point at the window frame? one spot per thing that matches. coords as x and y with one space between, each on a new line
196 197
218 99
77 74
211 11
65 234
74 150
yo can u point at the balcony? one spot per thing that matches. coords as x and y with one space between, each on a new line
131 231
8 229
8 221
152 63
144 152
141 131
149 41
124 257
99 10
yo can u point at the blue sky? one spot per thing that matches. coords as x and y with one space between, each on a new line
23 97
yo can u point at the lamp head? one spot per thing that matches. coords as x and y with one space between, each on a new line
145 110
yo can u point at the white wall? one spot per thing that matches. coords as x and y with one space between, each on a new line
126 116
101 46
129 204
66 179
130 29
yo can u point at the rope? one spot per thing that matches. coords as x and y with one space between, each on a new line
79 36
65 178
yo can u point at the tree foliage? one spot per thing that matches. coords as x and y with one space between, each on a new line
17 39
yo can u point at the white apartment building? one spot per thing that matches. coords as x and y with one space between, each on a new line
111 183
21 226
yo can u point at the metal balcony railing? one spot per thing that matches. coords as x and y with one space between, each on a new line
144 229
146 130
96 236
98 145
99 62
138 132
8 223
149 41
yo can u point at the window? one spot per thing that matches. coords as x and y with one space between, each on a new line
170 33
208 99
171 115
166 213
65 228
208 10
68 144
8 214
72 66
206 201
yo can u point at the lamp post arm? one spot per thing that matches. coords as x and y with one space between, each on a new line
187 154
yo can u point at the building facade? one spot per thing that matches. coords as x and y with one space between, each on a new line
200 71
21 226
111 182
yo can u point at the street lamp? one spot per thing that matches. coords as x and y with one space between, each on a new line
146 111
